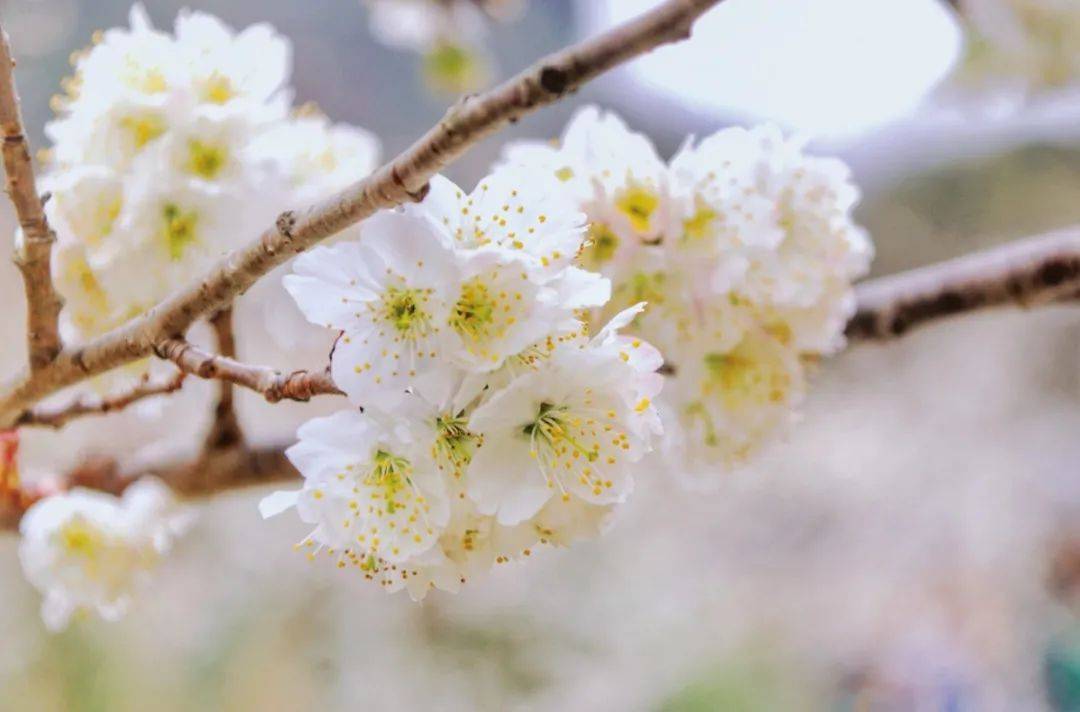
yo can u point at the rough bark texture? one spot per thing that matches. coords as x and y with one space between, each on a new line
403 179
1025 273
33 253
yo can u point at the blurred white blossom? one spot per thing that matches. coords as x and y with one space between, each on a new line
171 150
91 551
449 34
316 157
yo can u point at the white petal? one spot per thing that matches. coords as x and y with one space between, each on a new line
505 481
619 321
56 611
274 504
579 289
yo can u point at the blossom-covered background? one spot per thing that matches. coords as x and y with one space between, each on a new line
914 539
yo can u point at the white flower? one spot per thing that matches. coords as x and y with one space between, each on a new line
161 161
417 298
725 404
498 311
469 546
517 236
637 364
136 63
511 210
209 152
440 419
391 295
114 134
448 33
786 218
564 522
317 158
87 307
472 543
85 203
168 231
614 175
86 550
128 90
722 212
250 67
168 152
573 427
420 24
127 147
370 487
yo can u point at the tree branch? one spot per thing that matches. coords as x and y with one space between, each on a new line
225 431
271 383
92 404
1026 273
216 471
33 250
403 179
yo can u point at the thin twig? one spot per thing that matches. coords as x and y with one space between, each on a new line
92 404
1027 273
271 383
214 472
33 253
402 180
225 431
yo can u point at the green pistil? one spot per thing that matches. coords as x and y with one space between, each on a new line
699 226
603 243
179 229
205 160
698 409
475 310
541 413
403 308
550 427
646 287
390 474
638 204
451 66
736 374
455 442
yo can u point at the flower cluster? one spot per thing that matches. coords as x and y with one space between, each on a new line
744 247
448 33
503 371
170 150
492 420
89 551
